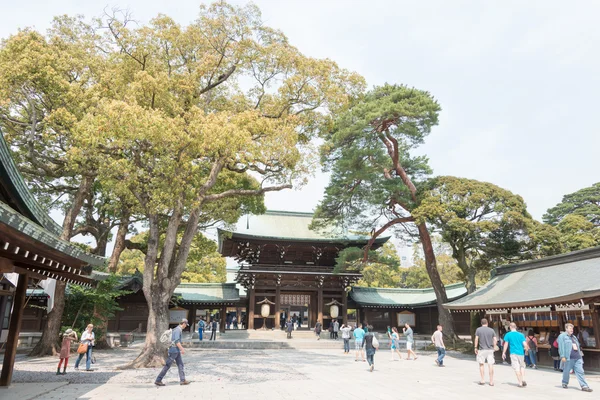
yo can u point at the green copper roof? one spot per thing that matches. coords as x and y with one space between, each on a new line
15 184
207 293
292 226
22 224
563 279
396 297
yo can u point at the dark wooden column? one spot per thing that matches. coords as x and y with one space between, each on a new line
223 319
358 320
320 305
250 312
596 325
13 331
277 307
344 307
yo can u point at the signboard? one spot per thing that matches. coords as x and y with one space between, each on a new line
406 317
177 314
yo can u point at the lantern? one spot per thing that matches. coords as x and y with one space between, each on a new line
334 311
265 310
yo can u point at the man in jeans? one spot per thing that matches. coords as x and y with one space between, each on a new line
485 340
175 352
201 326
438 341
569 350
518 347
346 336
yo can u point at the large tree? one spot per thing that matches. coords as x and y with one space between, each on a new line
484 224
46 86
374 178
194 121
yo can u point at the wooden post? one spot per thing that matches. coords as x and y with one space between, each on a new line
344 307
223 319
320 305
13 331
596 325
251 301
358 320
277 307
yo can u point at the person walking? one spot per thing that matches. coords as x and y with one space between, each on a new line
299 321
201 327
518 346
408 332
359 335
552 341
570 353
213 331
371 347
485 344
88 338
532 352
65 350
395 347
438 341
174 355
346 337
318 328
290 328
336 329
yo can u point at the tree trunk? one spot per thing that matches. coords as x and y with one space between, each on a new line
49 342
101 329
445 317
113 263
153 353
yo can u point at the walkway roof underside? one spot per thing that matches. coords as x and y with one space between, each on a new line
402 298
565 279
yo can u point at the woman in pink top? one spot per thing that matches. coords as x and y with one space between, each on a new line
65 350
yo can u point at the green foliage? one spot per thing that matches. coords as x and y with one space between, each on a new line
484 224
577 233
382 268
584 202
417 277
92 306
204 263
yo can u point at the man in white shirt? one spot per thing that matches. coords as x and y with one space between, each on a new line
438 341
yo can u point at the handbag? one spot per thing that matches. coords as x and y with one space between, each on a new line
82 349
375 342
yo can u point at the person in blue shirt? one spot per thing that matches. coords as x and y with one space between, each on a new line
201 326
175 352
359 335
518 346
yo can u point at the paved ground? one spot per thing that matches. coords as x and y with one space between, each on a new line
283 374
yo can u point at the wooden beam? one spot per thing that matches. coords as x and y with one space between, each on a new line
277 306
320 305
6 266
345 309
596 325
13 331
250 313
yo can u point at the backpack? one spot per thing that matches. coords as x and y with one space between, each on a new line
531 344
167 337
555 344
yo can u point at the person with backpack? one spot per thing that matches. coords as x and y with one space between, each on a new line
318 328
532 352
172 338
213 329
371 346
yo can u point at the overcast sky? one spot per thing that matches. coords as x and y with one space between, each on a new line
518 81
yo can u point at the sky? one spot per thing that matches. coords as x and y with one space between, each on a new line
517 81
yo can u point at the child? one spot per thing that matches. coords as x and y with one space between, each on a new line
65 349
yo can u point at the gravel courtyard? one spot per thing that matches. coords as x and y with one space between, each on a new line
282 374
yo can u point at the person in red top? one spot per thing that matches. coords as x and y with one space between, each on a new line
65 350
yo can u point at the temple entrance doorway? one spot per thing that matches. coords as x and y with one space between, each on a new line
296 306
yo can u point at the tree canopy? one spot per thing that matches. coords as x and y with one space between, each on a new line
484 224
584 202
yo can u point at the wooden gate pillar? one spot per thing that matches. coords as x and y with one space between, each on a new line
13 331
251 301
